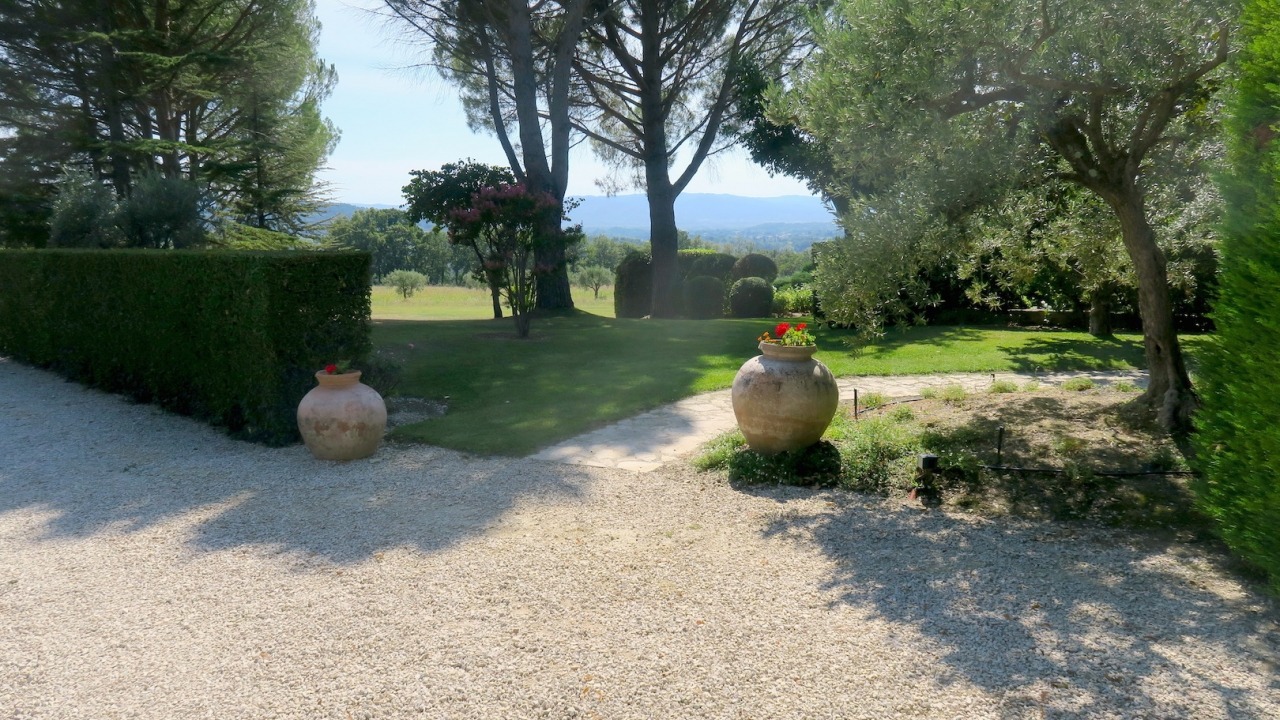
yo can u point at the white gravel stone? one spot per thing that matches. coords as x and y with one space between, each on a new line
153 568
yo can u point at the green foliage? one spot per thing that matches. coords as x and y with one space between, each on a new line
1003 386
503 226
225 92
755 265
1078 384
953 394
395 243
792 299
877 453
872 400
1236 436
432 195
406 282
1124 386
164 213
633 285
600 251
717 265
233 338
703 297
84 214
593 277
236 236
751 297
818 464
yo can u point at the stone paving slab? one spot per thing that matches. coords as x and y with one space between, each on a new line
646 442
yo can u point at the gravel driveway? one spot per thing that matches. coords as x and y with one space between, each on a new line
152 568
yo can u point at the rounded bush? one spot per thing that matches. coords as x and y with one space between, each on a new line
755 265
633 286
751 297
718 265
703 297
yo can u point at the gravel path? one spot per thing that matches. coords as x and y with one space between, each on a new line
153 568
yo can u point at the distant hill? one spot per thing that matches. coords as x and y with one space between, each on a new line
700 211
772 222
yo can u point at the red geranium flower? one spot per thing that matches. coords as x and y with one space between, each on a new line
782 329
802 326
331 368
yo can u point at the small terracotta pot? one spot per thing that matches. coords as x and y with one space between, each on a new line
783 399
342 418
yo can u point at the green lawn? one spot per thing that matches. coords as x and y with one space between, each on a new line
579 371
458 303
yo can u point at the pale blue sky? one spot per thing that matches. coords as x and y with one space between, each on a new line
394 120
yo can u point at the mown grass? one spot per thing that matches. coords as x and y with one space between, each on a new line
447 302
580 371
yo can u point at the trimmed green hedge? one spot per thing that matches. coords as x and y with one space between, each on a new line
1237 438
633 285
233 338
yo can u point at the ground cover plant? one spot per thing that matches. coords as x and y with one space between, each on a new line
1079 435
583 371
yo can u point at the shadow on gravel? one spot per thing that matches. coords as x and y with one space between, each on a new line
1079 613
134 468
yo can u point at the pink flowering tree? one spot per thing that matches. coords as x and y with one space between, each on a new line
502 225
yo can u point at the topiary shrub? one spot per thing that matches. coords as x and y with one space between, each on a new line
633 285
716 265
751 297
755 265
1236 438
703 297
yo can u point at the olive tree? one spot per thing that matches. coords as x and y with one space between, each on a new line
944 104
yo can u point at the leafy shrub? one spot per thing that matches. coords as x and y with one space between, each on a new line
877 456
161 212
1236 439
406 282
953 394
1124 386
819 464
755 265
1078 384
872 400
633 285
716 265
792 299
84 214
804 277
703 297
1003 386
751 297
234 338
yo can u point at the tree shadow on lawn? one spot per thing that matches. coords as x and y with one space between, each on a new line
1011 613
1042 354
135 468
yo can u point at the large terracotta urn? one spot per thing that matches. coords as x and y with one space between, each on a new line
342 418
784 399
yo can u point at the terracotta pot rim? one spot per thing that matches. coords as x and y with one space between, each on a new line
350 377
788 352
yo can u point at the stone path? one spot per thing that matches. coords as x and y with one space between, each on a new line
646 442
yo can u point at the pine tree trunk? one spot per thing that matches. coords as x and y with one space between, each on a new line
552 283
663 244
1169 393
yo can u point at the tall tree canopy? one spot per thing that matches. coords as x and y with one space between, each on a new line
660 79
225 92
512 62
946 103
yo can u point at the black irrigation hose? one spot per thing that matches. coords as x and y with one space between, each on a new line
1047 471
1101 473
